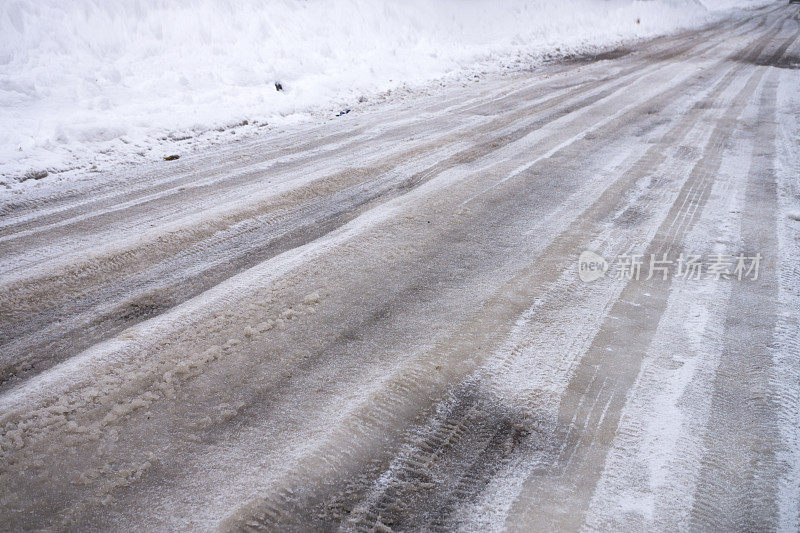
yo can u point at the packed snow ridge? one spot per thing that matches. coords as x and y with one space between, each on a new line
86 84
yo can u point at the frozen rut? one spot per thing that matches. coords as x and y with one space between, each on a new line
378 323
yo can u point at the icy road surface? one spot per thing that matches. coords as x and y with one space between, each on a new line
377 323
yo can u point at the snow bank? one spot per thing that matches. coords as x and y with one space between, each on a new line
89 81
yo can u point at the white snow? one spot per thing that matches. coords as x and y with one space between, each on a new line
89 82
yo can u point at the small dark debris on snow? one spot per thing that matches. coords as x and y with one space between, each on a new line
34 175
342 112
172 157
278 86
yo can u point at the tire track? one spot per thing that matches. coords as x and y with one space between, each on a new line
736 490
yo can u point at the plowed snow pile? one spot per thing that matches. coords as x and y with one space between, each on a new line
90 82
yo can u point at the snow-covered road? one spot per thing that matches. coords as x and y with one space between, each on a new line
379 322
